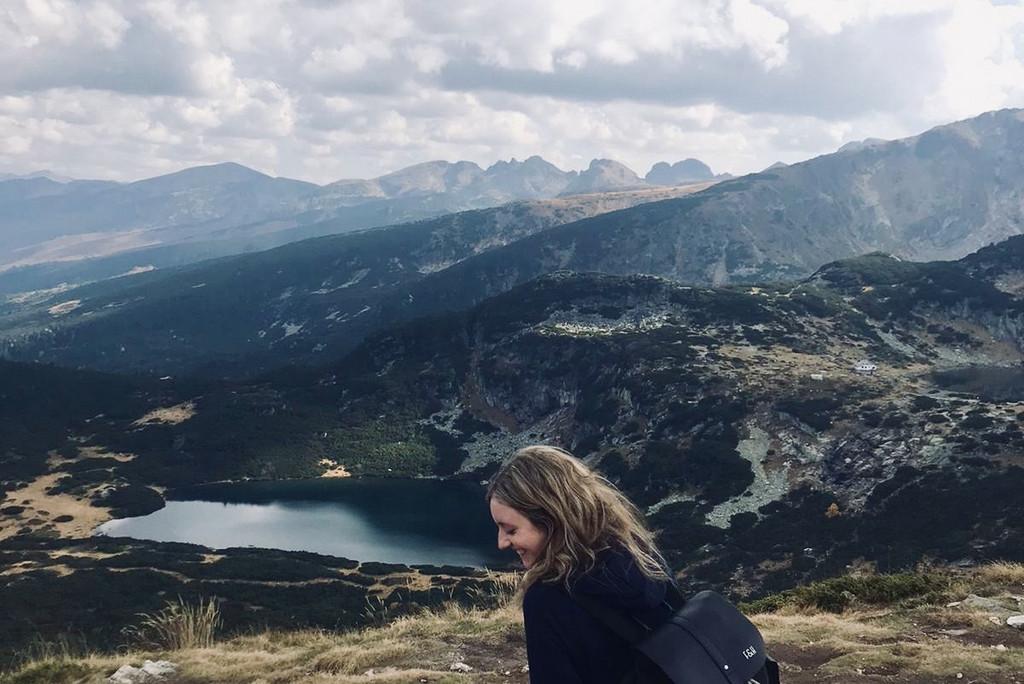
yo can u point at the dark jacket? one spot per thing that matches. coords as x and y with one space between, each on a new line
566 645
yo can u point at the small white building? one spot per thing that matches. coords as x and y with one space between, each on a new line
865 367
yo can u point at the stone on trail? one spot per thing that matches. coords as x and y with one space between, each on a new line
1016 621
989 605
151 672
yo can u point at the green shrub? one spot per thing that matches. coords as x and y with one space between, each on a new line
394 446
839 593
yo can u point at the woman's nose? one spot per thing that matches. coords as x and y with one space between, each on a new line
503 542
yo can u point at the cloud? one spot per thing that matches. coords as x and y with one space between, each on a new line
324 90
51 44
748 64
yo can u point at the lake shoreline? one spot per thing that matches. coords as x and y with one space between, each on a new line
370 518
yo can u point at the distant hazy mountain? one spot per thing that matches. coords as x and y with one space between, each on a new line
44 221
303 301
603 175
81 219
939 195
17 194
43 173
686 171
503 181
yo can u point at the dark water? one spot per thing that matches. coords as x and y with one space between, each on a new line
393 521
992 383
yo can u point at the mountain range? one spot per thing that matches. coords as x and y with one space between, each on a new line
304 301
938 195
228 208
791 373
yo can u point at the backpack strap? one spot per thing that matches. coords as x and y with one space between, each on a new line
627 627
632 630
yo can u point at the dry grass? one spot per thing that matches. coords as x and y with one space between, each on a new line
931 640
924 643
408 649
808 628
178 626
41 505
168 415
927 659
1007 574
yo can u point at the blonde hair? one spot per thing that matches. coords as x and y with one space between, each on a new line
581 512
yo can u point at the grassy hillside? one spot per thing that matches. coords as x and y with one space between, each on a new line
925 627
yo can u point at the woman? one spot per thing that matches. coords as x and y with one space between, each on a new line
577 536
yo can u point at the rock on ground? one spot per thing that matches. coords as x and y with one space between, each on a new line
151 672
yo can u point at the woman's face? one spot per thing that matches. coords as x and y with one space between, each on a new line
516 532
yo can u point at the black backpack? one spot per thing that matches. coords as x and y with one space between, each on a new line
706 641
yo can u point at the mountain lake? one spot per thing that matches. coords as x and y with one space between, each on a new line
413 522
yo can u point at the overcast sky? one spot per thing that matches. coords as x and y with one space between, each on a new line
323 90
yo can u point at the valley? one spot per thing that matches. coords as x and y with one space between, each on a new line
735 417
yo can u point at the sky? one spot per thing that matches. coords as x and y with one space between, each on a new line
323 90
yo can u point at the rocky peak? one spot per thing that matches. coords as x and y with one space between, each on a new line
604 175
429 178
531 178
857 145
685 171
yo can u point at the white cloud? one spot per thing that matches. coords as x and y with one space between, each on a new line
985 64
108 24
346 59
15 144
185 20
325 90
213 74
575 59
427 58
763 32
15 105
